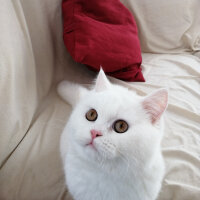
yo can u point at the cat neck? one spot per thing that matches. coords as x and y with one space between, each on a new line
120 168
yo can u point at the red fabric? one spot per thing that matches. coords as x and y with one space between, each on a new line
103 32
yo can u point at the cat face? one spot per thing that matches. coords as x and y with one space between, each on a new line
112 123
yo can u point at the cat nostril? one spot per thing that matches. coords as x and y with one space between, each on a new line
95 133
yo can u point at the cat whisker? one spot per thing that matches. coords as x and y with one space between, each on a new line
123 157
103 160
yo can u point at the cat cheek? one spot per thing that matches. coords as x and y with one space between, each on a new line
81 139
109 149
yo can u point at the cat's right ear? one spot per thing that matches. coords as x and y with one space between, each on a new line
102 83
71 92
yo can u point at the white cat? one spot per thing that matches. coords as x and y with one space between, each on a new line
111 144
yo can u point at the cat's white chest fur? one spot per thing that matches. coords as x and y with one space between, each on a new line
110 146
88 182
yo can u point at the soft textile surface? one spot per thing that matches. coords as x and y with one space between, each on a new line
171 26
32 60
95 35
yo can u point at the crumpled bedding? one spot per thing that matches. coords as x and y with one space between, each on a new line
33 60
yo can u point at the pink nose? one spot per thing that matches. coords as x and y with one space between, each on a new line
95 134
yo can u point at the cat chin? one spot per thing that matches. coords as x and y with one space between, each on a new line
95 152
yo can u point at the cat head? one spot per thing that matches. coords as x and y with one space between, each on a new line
112 123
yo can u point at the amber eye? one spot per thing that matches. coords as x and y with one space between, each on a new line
91 115
120 126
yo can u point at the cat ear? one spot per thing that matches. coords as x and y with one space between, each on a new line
71 92
155 104
102 83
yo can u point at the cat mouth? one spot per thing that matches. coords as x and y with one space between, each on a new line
91 145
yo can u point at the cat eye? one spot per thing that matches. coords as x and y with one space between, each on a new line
120 126
91 115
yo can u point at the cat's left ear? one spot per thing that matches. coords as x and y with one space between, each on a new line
155 104
102 83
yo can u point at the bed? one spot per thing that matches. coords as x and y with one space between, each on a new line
33 60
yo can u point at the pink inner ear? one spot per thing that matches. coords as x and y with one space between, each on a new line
156 104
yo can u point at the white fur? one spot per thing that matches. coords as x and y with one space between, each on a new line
126 166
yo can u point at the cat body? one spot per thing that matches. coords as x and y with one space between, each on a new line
110 146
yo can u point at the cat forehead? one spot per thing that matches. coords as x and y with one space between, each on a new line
114 97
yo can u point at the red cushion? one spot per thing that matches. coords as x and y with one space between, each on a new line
103 33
